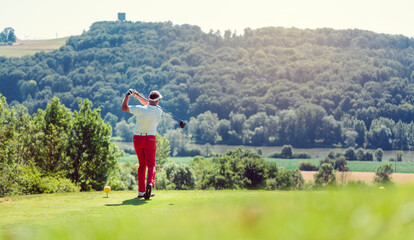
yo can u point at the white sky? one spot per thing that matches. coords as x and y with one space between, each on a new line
45 19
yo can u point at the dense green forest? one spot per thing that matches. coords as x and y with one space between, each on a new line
268 86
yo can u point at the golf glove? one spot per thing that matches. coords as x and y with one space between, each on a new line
130 92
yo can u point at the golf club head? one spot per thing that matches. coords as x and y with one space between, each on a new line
182 124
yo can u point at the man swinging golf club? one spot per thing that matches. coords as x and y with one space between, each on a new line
148 117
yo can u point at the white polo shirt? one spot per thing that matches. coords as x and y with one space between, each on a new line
148 117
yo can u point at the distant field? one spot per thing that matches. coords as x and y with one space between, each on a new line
29 47
291 164
338 213
354 166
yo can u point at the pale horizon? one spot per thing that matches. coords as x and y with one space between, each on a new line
48 19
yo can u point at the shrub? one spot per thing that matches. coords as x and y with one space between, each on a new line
287 151
326 175
298 181
399 156
307 166
271 169
301 155
20 179
378 154
369 156
254 171
115 182
182 176
284 180
382 175
326 160
161 181
350 154
341 164
360 155
275 155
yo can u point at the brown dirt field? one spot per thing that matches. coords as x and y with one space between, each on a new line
367 177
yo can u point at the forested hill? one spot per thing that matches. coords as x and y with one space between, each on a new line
267 86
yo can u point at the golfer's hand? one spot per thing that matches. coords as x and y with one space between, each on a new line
129 92
135 93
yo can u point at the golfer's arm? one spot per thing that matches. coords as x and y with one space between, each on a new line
141 100
125 107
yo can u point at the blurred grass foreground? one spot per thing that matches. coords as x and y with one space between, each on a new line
362 212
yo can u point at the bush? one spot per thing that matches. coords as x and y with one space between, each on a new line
161 181
182 176
20 179
360 155
298 181
254 172
382 175
275 155
399 156
378 154
350 154
326 160
325 176
284 180
301 155
272 169
58 185
307 166
287 151
341 164
369 156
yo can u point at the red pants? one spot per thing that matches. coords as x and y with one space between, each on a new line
146 149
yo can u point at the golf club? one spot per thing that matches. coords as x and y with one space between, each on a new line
182 123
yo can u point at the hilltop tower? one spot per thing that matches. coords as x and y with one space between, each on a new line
121 17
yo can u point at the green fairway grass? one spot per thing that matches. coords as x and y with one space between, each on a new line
341 213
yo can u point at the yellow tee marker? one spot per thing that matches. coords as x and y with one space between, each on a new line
107 189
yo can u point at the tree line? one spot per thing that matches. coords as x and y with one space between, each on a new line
267 86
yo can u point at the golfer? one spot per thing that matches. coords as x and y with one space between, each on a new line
148 117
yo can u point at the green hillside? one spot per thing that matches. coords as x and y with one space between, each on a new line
266 86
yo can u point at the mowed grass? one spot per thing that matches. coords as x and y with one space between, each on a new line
341 213
291 164
30 47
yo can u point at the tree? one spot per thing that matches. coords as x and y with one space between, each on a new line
180 176
378 154
91 155
204 127
350 154
326 175
400 155
163 150
287 151
54 123
341 164
382 174
7 35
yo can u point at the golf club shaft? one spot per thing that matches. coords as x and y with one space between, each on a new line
158 106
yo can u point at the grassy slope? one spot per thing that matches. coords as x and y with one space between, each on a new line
30 47
352 213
